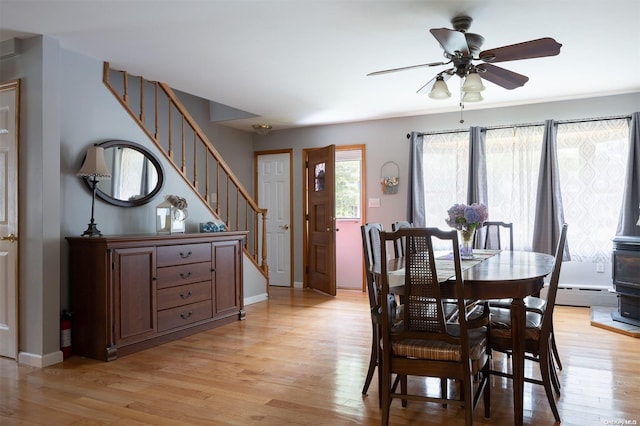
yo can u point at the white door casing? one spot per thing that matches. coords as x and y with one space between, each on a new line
9 102
274 194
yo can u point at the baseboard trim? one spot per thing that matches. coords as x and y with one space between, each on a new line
256 299
40 361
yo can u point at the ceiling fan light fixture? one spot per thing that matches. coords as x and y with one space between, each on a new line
472 97
473 83
439 89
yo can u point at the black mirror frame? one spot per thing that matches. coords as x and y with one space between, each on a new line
149 155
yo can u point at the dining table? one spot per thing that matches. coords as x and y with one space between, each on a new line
493 274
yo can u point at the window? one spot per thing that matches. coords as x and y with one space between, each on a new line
446 162
592 158
513 161
348 197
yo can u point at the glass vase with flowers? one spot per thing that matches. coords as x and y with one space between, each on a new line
466 219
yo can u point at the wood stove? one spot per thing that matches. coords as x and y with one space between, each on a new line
626 279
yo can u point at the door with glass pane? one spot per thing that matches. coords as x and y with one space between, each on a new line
320 218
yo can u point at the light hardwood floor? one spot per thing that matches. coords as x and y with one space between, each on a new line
300 359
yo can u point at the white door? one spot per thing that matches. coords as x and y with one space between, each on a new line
274 194
9 219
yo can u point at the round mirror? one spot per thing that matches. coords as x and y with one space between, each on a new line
136 174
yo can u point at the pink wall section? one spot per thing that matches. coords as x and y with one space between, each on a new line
349 255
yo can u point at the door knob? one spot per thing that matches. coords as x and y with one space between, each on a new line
11 238
284 227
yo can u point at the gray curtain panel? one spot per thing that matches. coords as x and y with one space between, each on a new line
416 199
630 209
549 214
477 178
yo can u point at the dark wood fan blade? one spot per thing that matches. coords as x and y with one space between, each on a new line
431 64
451 41
502 77
526 50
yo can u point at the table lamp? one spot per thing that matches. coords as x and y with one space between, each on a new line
95 169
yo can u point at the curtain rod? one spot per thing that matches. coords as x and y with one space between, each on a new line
582 120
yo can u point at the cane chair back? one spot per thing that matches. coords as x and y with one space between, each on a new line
425 344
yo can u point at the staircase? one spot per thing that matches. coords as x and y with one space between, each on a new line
165 120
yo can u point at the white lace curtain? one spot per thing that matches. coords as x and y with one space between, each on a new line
591 160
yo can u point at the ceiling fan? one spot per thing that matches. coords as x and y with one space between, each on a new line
461 49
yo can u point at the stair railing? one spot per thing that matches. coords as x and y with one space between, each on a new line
183 143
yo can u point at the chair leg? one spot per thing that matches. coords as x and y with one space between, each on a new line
487 394
545 373
403 389
443 391
386 400
466 394
373 361
554 376
554 349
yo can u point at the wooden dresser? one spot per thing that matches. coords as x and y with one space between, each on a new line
132 292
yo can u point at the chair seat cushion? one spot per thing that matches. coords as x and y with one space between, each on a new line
441 351
501 324
534 304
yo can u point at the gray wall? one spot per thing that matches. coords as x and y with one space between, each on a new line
386 141
65 109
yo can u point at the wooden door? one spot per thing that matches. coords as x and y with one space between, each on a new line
321 221
9 114
274 194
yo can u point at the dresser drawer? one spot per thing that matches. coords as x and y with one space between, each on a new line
182 254
170 276
183 295
184 315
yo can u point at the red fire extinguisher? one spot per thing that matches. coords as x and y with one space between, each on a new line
65 334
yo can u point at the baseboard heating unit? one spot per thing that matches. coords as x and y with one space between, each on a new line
569 295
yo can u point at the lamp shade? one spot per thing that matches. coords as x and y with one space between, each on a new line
439 89
473 83
94 164
472 97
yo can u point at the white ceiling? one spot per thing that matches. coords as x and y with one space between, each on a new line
304 62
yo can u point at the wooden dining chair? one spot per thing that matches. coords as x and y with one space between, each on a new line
374 299
539 327
492 234
398 246
424 344
492 240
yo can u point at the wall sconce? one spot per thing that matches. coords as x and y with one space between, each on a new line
262 129
94 168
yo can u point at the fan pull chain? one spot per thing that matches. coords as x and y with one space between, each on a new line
461 103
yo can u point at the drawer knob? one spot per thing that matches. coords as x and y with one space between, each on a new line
185 276
187 315
185 296
185 255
